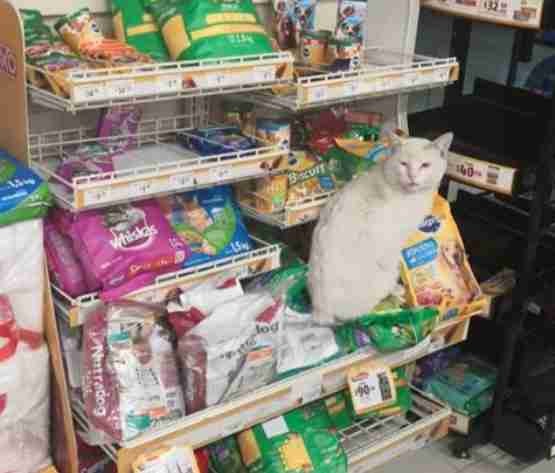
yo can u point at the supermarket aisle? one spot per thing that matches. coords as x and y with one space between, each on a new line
437 459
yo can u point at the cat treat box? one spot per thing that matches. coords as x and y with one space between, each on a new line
435 268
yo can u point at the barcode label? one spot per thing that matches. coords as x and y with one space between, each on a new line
121 88
318 94
170 83
89 93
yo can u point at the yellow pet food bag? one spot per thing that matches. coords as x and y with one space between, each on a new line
435 268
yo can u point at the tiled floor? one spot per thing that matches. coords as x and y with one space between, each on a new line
436 458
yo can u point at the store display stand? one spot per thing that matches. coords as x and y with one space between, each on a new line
388 73
499 425
14 126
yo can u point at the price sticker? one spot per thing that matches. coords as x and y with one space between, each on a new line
96 196
179 459
352 88
221 173
372 387
317 94
182 180
142 188
89 93
121 88
411 79
171 83
264 73
218 79
146 86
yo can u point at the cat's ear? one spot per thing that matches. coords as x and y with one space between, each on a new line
396 142
443 143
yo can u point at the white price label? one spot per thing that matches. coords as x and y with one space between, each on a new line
436 344
121 88
182 180
142 188
411 79
96 196
147 86
217 79
264 73
371 387
172 83
89 93
442 75
309 389
173 460
318 94
352 88
221 173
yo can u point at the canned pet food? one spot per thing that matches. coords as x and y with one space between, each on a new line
277 132
344 54
313 47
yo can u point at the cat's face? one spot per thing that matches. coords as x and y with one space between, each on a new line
418 165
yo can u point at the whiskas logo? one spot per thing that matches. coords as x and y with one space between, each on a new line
430 225
8 63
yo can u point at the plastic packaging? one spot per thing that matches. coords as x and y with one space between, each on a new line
117 121
225 456
130 374
23 194
209 221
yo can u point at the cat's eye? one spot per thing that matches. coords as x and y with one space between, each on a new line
404 164
425 165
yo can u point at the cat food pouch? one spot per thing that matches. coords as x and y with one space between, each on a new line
130 373
210 223
64 266
231 352
308 176
351 20
167 459
23 194
301 440
124 241
120 120
216 140
137 27
435 268
197 29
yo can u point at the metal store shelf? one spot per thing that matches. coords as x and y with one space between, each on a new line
300 212
381 73
107 188
265 257
224 419
144 83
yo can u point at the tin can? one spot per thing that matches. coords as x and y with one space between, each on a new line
313 47
344 54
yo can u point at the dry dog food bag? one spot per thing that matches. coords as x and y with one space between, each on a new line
130 374
197 29
435 267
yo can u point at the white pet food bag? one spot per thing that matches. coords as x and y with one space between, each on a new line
24 398
218 357
21 271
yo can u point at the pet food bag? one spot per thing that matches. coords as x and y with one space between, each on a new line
435 268
130 374
209 221
231 352
290 18
167 459
23 194
467 385
299 441
121 120
22 275
197 29
307 176
24 396
135 26
126 241
225 456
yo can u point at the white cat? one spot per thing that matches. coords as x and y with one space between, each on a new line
356 246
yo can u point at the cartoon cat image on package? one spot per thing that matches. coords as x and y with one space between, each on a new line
351 19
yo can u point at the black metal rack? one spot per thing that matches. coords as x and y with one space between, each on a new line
520 421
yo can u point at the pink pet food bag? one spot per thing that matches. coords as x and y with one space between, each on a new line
125 241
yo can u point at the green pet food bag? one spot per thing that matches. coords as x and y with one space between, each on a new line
134 25
225 456
203 29
299 442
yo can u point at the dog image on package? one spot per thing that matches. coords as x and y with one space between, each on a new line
435 267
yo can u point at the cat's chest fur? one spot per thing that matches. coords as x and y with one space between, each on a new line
357 245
